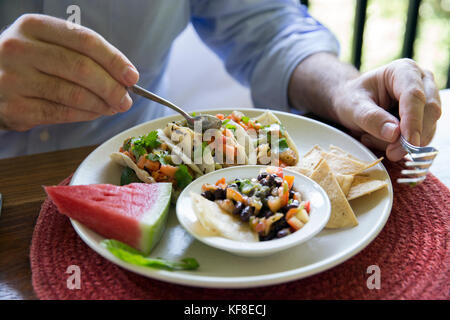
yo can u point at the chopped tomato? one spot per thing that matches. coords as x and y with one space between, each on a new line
291 213
243 125
221 182
289 180
283 193
295 223
260 226
228 133
220 116
275 170
152 165
168 170
307 206
234 195
141 161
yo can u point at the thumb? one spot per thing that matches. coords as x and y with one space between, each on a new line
376 121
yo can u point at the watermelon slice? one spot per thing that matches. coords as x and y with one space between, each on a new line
135 214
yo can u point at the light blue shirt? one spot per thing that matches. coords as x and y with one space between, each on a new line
259 41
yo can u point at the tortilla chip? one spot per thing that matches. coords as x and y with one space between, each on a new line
362 186
309 161
340 152
342 214
345 182
345 165
219 222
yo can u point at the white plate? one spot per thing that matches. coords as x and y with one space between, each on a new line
310 191
220 269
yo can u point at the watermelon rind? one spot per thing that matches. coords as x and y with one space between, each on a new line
153 223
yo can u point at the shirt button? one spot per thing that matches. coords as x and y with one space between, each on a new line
44 135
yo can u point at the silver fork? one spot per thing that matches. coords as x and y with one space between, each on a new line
420 159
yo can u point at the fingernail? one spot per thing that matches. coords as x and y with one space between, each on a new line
126 102
130 75
388 131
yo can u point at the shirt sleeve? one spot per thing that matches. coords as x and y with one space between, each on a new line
261 42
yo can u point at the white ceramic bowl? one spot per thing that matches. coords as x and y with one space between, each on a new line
310 190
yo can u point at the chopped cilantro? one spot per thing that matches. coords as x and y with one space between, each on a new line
245 119
246 186
162 157
151 140
182 176
282 145
230 126
204 145
141 145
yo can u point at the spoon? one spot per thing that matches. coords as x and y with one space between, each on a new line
206 121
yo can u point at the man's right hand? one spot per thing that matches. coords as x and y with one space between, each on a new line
51 73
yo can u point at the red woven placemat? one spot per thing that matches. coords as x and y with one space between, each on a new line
411 252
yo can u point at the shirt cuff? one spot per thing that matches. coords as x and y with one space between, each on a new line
270 78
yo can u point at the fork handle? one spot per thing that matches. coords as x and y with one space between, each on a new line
151 96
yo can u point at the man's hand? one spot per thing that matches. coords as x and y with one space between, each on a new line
364 103
50 73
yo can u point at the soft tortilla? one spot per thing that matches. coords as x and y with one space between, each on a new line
219 222
245 141
268 118
362 186
177 152
126 161
342 215
184 139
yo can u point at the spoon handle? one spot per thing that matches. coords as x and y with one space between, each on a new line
149 95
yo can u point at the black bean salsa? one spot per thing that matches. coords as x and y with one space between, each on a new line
269 203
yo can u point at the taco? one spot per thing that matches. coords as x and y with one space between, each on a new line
210 150
154 158
268 140
190 145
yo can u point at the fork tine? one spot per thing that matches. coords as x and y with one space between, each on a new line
411 180
420 164
424 155
419 159
417 172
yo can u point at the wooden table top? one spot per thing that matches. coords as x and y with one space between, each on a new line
21 184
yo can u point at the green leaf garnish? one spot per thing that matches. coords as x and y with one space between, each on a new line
245 119
133 256
224 122
128 176
182 176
